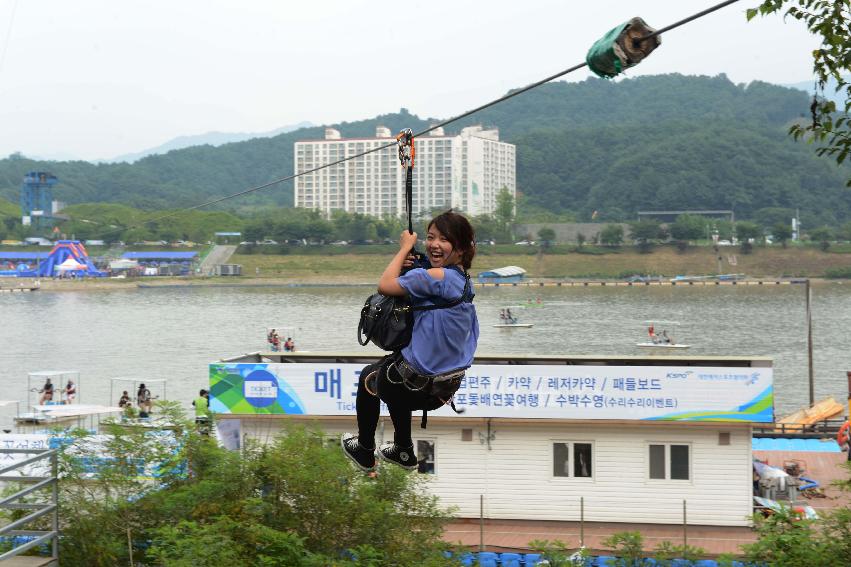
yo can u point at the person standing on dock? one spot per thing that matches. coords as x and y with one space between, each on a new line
70 392
202 408
143 399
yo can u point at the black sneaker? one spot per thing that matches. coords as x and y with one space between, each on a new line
392 453
362 457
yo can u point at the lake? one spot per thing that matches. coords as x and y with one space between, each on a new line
174 333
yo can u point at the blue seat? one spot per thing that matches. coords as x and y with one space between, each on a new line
604 561
681 563
488 559
510 560
531 559
468 559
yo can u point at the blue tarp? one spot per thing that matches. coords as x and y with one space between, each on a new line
808 445
23 255
160 255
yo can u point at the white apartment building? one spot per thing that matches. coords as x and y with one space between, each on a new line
465 172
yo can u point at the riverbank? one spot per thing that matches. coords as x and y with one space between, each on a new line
262 270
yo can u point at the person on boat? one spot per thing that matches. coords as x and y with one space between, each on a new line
665 338
70 392
509 318
144 400
46 392
502 316
289 345
124 401
651 332
425 374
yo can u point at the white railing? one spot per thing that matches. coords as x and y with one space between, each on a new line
33 538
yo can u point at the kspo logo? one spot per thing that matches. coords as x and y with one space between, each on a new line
679 375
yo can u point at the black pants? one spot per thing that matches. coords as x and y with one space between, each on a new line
400 402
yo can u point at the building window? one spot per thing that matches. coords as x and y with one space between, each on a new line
573 459
425 456
668 461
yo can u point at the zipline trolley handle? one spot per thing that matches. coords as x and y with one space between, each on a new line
405 141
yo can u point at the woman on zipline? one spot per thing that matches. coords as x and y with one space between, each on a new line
425 374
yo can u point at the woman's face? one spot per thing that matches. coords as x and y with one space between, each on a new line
440 251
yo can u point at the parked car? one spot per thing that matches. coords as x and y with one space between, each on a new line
339 243
485 243
525 243
268 242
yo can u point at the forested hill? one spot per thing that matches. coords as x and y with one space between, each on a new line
658 142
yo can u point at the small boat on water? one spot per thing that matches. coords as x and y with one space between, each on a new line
513 326
661 345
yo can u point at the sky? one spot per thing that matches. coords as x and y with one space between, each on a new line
93 79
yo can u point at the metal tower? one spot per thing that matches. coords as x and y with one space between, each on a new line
37 199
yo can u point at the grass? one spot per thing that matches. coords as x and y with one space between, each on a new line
617 263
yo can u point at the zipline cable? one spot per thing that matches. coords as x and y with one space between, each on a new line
510 95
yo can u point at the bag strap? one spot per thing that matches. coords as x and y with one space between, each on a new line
466 296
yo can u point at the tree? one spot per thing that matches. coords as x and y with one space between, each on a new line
645 233
746 232
504 213
547 236
823 235
612 235
781 232
580 239
685 228
832 60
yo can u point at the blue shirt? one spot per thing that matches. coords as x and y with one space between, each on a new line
443 339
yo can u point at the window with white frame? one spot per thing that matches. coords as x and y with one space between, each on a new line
425 456
573 459
669 461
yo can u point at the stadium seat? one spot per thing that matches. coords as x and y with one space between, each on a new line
531 559
510 560
488 559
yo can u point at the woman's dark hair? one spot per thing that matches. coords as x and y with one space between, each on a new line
459 232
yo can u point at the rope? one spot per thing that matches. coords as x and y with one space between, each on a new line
408 190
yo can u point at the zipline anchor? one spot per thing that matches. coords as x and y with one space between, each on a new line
621 48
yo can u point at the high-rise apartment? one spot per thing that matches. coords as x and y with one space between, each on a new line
465 172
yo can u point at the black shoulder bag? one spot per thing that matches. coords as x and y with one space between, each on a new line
388 321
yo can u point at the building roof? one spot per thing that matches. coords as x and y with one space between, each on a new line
505 272
22 255
159 255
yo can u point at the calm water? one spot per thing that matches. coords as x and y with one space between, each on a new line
175 333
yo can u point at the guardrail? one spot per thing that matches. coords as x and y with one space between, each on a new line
38 509
819 429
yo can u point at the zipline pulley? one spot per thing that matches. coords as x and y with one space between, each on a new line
405 141
621 48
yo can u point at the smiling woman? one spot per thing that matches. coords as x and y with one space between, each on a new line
424 374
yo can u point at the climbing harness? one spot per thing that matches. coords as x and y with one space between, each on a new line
621 48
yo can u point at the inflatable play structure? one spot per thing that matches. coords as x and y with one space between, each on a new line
67 258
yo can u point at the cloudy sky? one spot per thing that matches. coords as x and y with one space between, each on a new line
93 79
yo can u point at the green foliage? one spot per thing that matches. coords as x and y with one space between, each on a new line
781 232
786 540
687 227
295 502
823 235
831 23
611 235
645 233
557 553
747 231
629 548
504 213
547 236
666 552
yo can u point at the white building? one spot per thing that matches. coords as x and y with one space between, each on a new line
627 439
465 172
